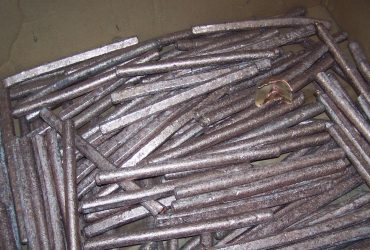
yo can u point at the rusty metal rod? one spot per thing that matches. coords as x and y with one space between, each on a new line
352 153
7 132
121 218
40 70
199 42
157 169
254 24
228 132
167 188
7 236
332 212
342 100
360 59
177 99
98 159
336 115
55 211
272 137
56 168
6 195
175 121
171 84
364 105
336 238
241 206
41 100
98 67
348 68
35 185
175 232
306 208
293 236
33 234
69 164
134 149
207 60
244 177
259 186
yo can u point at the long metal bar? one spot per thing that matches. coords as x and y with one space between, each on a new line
49 67
175 232
254 24
348 68
69 164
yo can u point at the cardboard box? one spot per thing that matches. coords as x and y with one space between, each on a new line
39 31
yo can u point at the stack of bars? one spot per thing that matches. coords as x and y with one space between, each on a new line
200 139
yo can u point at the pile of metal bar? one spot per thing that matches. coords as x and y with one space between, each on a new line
201 139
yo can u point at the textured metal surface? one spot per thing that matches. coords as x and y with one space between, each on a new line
69 165
182 97
186 230
348 68
213 137
28 74
360 59
253 24
342 100
299 234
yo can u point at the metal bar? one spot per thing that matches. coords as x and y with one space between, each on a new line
177 99
257 187
342 100
348 68
306 208
28 74
7 132
266 200
352 152
290 237
98 159
332 212
272 137
244 177
360 59
7 236
33 234
35 185
121 218
167 188
6 195
228 132
167 85
334 239
199 61
175 232
69 165
254 24
57 169
364 105
55 214
40 100
345 126
154 139
157 169
42 182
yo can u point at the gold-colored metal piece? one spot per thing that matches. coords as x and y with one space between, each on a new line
273 89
